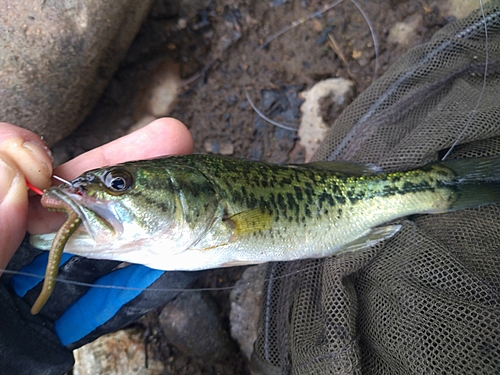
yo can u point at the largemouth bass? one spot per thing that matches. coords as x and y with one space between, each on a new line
198 212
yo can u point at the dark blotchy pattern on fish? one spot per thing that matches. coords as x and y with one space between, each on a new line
294 193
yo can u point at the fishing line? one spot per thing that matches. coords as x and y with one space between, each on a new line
474 111
102 286
40 192
62 180
298 22
374 37
317 13
264 117
156 290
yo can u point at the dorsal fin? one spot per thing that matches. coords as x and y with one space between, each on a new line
348 168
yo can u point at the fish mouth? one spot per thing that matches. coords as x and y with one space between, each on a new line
53 197
97 215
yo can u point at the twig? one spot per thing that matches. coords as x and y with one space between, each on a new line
341 56
298 22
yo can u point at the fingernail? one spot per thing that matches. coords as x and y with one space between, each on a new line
41 153
7 175
31 158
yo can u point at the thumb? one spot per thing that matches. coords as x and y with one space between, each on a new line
23 156
13 208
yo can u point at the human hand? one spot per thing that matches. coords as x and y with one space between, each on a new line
24 156
75 315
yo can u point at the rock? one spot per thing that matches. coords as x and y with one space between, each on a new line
404 32
246 301
161 89
191 323
231 100
312 128
213 146
57 57
459 8
122 352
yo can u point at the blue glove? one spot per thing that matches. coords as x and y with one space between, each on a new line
75 314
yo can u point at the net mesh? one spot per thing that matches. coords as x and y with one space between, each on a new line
428 300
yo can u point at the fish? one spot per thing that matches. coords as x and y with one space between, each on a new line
196 212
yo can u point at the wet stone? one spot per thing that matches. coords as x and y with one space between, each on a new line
246 299
191 323
70 50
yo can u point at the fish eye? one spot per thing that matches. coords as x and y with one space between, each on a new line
117 181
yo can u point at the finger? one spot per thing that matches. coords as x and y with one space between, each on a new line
28 153
23 156
165 136
13 208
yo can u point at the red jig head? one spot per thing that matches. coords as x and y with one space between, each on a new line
35 189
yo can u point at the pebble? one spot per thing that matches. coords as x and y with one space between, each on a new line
213 146
121 352
313 129
404 32
161 89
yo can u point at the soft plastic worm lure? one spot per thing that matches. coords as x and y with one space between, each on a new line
60 240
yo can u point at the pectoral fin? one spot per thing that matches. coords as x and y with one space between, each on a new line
373 237
249 221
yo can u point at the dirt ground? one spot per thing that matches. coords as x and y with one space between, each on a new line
217 48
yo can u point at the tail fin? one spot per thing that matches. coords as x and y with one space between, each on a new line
477 181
